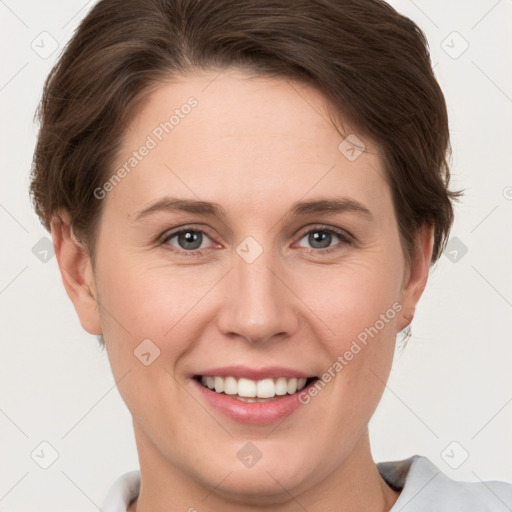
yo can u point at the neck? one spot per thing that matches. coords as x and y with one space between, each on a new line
355 485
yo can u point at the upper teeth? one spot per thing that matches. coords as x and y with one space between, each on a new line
266 388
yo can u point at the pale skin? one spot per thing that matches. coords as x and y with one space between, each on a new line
255 146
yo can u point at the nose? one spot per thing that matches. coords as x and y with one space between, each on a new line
259 304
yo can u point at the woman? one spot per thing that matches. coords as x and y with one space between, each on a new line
245 199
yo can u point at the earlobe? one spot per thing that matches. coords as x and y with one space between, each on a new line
417 275
76 271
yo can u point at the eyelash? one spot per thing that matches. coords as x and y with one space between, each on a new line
344 236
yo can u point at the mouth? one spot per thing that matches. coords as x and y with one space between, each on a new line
253 395
254 391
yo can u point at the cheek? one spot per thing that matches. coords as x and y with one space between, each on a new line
149 301
354 298
359 305
157 301
147 323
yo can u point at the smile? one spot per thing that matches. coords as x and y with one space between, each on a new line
252 396
249 390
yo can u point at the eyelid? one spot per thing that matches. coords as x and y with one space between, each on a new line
167 235
188 227
331 229
344 235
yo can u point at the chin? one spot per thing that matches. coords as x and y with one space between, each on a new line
267 482
256 487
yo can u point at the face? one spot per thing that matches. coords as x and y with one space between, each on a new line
246 250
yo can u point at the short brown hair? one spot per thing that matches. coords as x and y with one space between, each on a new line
370 62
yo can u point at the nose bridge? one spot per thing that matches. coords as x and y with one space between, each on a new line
259 305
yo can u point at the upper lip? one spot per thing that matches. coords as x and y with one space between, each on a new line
269 372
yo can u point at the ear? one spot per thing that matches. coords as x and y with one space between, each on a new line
76 271
416 275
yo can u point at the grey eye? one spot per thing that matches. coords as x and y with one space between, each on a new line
187 239
320 238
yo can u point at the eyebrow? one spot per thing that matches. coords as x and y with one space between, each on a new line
334 205
171 204
331 205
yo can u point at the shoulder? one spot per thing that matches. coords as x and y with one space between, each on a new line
125 489
424 487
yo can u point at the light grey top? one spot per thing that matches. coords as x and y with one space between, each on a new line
424 488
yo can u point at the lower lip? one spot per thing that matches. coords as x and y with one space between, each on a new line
256 413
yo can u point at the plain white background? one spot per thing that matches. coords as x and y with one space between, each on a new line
450 392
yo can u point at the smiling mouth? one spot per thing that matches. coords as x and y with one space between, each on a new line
248 390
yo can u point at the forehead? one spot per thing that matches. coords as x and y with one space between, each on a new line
244 139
